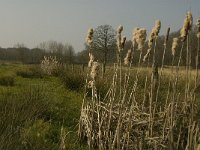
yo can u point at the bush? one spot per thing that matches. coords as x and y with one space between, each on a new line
73 81
7 80
32 72
51 66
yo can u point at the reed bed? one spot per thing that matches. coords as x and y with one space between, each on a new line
130 117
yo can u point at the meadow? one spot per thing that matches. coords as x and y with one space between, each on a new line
37 111
40 111
120 106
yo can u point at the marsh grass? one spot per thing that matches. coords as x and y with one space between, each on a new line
30 72
145 107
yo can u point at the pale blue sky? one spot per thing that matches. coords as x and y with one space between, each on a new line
34 21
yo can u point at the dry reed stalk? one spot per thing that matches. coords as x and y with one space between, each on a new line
197 52
188 27
153 37
163 58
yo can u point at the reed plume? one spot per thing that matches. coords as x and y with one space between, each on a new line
120 41
91 56
123 42
167 36
89 38
154 33
174 45
187 25
127 59
157 27
139 37
94 70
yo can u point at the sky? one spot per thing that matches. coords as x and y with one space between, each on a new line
34 21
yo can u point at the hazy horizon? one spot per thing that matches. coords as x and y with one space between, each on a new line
34 21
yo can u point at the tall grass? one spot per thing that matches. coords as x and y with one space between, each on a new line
17 110
152 112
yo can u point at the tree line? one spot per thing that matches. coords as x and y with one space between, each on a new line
104 48
19 53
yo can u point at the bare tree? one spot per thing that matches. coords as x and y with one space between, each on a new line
104 40
69 53
62 51
19 45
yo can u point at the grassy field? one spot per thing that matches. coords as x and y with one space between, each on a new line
37 111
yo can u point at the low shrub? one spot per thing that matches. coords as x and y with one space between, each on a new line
31 72
72 80
7 79
51 66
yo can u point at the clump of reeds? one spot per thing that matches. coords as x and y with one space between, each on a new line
120 120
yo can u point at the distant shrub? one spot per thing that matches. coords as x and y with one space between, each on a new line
50 65
7 80
32 72
72 80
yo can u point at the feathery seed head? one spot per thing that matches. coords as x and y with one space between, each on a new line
123 42
167 36
198 23
157 27
120 40
127 59
119 44
89 38
91 56
147 55
198 35
151 38
120 29
187 25
174 45
141 38
134 36
190 19
94 70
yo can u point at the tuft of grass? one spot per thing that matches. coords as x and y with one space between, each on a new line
7 79
73 81
30 72
18 108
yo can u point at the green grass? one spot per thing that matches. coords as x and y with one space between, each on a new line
33 111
